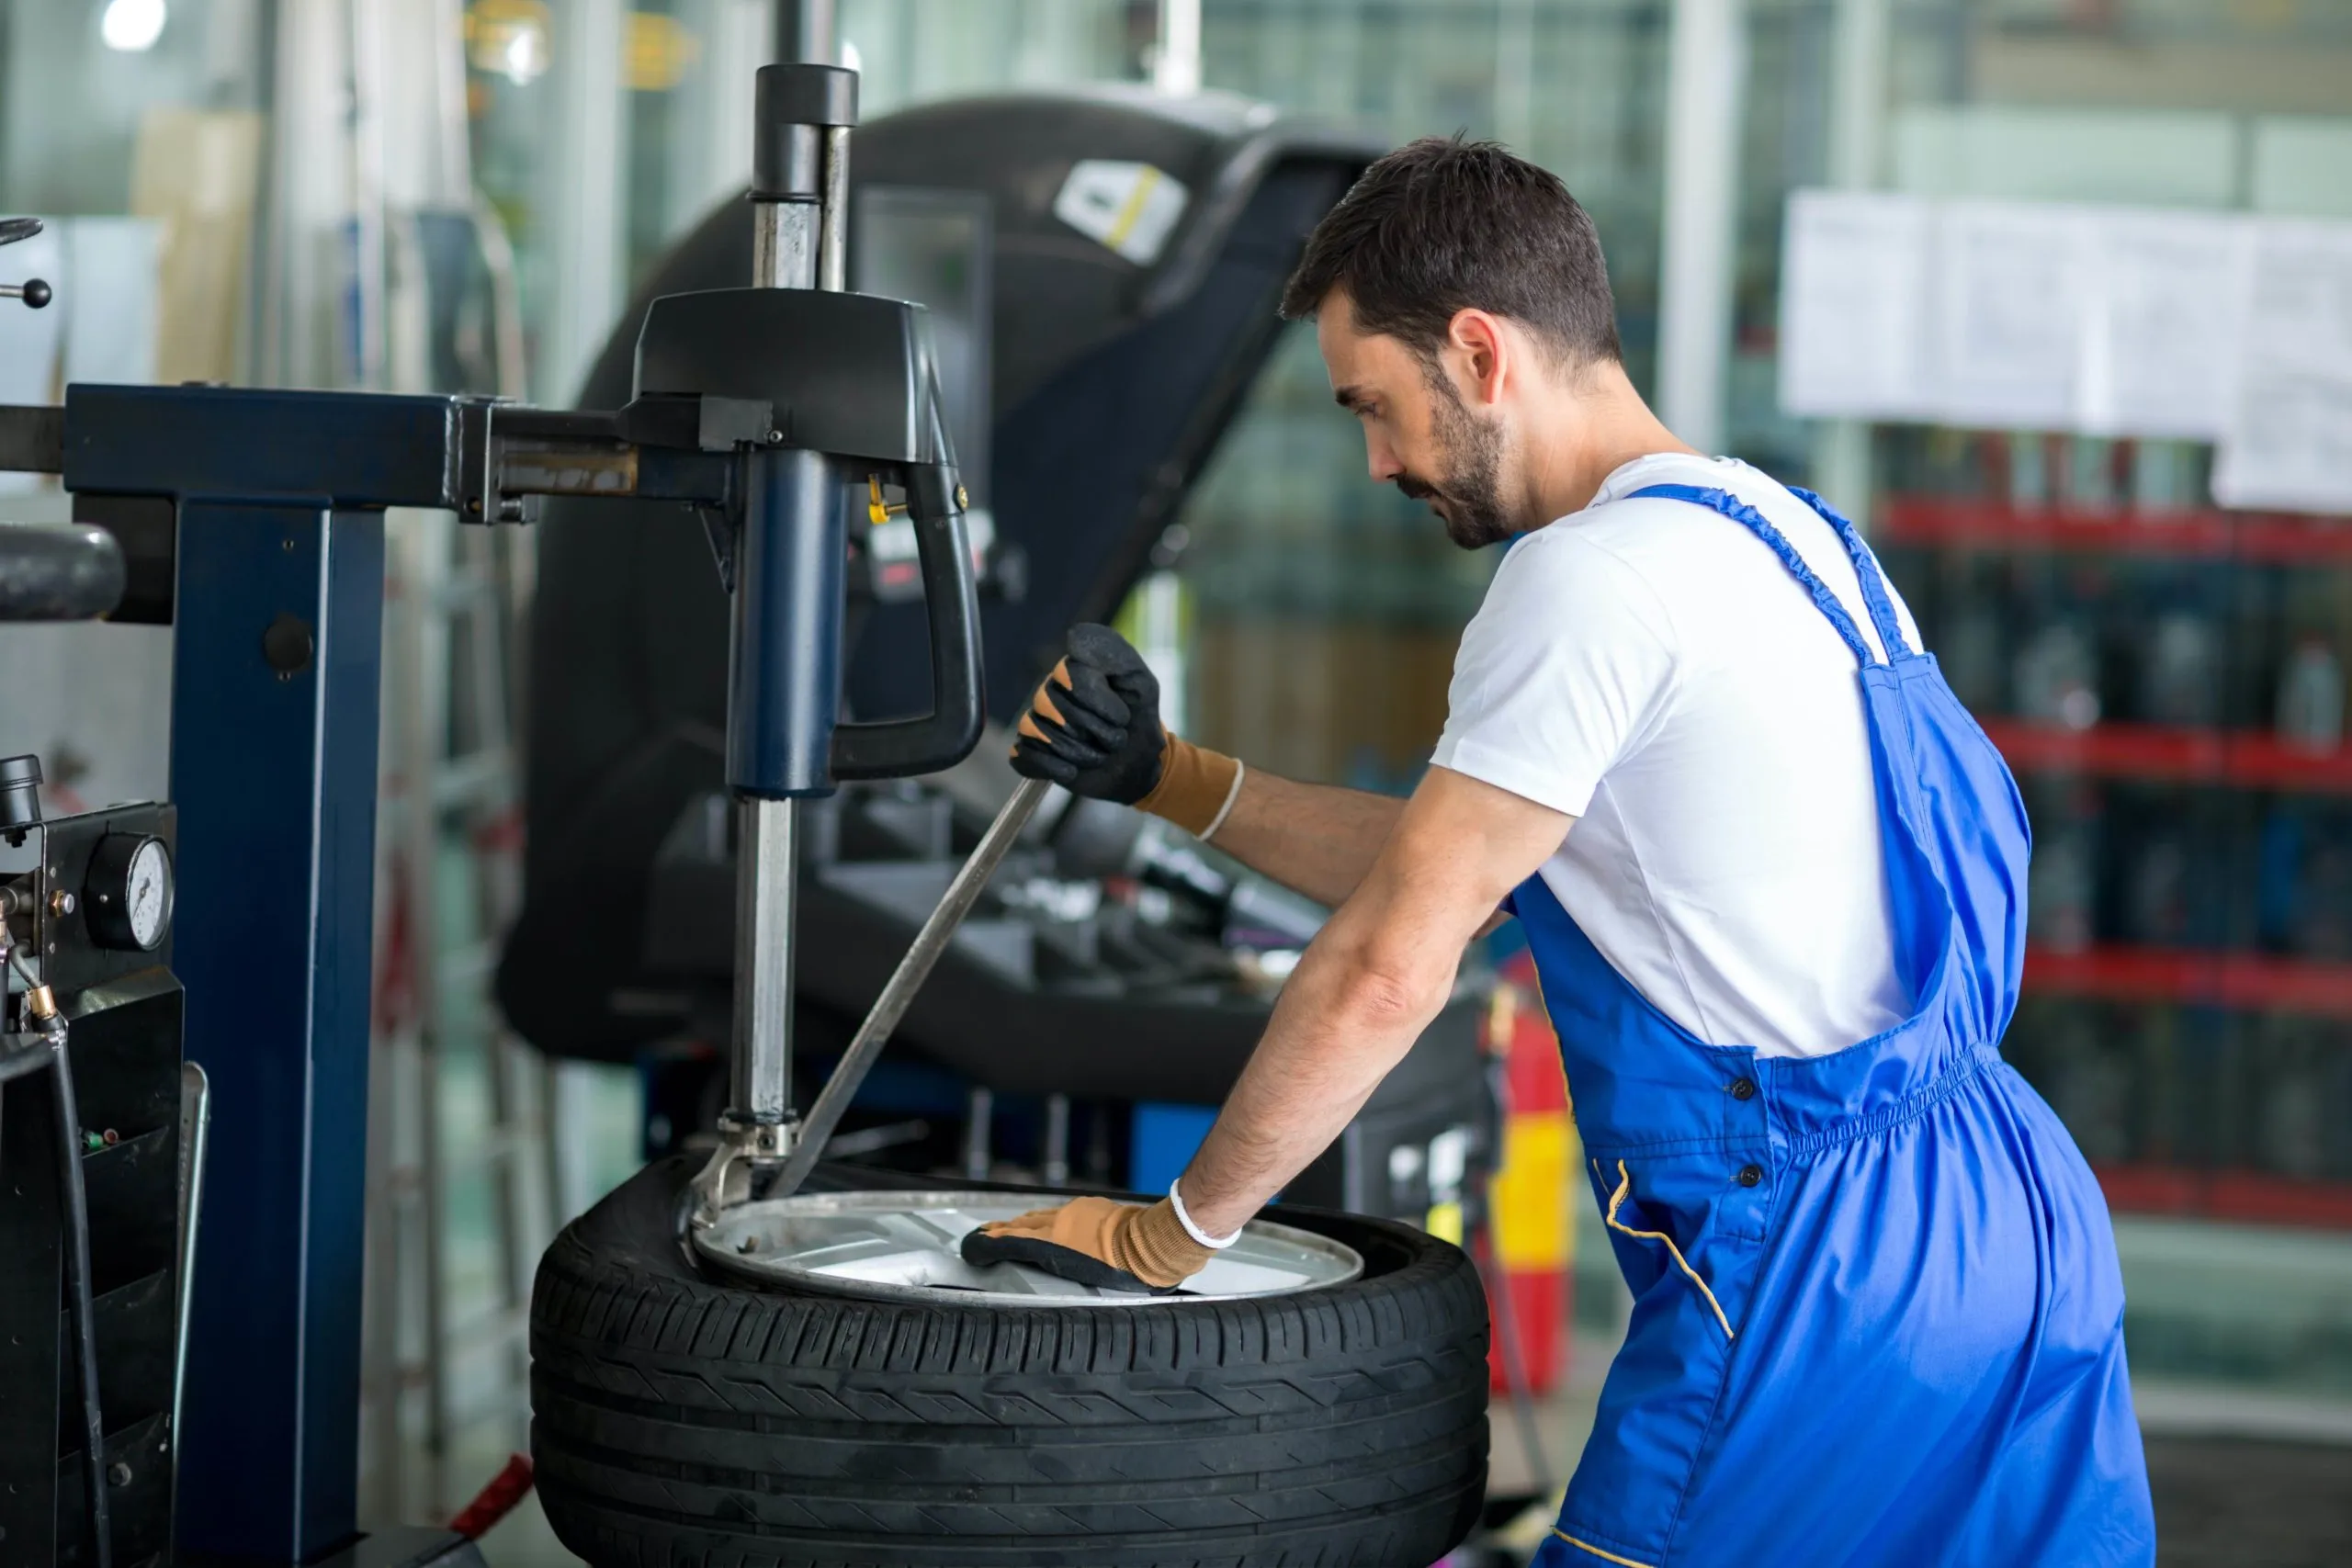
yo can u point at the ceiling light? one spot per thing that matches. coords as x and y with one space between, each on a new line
131 26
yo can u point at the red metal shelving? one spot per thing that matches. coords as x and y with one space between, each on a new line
2221 758
2251 1196
2277 538
2248 759
2204 977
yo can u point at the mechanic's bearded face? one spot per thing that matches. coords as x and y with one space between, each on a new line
1420 433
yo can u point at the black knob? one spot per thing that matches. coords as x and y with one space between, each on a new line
19 791
287 643
36 293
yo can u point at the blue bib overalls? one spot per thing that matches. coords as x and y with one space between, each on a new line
1877 1315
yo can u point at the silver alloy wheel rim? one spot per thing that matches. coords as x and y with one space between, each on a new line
905 1246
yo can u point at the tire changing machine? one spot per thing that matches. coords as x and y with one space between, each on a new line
251 521
1114 979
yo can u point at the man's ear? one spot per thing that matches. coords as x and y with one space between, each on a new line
1482 353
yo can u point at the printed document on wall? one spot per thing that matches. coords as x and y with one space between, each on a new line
1854 305
2163 305
2288 443
2008 291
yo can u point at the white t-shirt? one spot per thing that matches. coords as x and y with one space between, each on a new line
1651 668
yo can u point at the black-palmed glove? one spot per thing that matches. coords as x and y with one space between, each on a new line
1119 1247
1093 728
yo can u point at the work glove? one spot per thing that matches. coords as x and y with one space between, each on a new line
1093 728
1094 1241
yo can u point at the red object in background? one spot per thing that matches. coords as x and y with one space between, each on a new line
2247 759
2275 538
1539 1299
495 1501
1534 1077
2250 1197
2203 977
1532 1231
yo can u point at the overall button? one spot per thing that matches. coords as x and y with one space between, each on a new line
1749 1175
1745 1089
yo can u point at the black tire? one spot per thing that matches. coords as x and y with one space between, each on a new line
687 1421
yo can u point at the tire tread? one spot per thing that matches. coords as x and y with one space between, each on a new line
689 1422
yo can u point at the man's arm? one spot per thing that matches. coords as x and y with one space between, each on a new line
1093 728
1367 986
1319 839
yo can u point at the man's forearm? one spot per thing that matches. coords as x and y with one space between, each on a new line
1319 839
1366 987
1343 1022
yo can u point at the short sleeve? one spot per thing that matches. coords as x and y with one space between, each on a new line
1565 667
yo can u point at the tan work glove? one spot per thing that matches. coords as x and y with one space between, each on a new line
1093 728
1094 1241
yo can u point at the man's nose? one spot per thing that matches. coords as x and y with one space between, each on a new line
1381 459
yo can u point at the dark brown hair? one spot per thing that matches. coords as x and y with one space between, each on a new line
1446 224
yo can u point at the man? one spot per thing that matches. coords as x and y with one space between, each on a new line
1778 910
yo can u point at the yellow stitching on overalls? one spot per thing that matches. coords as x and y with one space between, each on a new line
1587 1546
1616 1201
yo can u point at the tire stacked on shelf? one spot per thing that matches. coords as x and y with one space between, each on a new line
684 1420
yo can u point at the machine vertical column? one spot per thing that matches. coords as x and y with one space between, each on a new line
783 675
277 649
1706 82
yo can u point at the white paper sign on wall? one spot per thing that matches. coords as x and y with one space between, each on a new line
1854 305
2008 286
1130 208
2163 308
2288 444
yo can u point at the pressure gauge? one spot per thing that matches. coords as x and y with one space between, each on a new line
128 898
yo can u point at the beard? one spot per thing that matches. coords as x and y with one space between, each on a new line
1469 500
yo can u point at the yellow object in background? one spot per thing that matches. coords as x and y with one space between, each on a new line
198 172
1533 1225
659 52
509 39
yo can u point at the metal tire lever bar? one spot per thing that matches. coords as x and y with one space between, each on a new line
904 982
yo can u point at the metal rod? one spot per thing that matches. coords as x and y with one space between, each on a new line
805 30
195 1126
1054 1165
833 247
979 1132
85 1328
1522 1400
904 981
767 861
1491 1273
783 244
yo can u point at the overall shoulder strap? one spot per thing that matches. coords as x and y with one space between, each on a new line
1739 511
1867 572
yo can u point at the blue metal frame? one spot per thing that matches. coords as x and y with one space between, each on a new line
275 775
278 502
274 770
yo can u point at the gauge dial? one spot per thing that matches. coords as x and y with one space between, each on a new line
128 898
